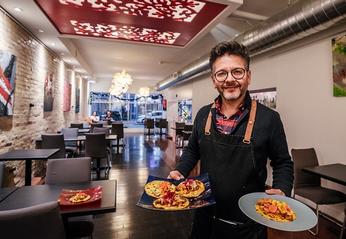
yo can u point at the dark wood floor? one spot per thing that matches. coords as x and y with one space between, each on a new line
145 156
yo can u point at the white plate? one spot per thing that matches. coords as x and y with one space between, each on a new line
305 220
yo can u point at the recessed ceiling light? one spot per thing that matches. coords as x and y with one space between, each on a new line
40 30
62 54
53 44
17 9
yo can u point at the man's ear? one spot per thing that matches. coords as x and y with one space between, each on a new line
249 77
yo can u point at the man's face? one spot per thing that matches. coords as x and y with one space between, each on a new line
232 69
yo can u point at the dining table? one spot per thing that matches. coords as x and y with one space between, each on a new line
6 191
33 195
28 155
334 172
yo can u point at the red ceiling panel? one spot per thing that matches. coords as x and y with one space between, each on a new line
170 22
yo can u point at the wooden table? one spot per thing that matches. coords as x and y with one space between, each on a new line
28 155
333 172
34 195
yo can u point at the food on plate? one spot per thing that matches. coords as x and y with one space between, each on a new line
190 188
79 197
275 210
171 201
158 188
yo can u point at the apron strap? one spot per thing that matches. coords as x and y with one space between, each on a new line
249 126
208 124
250 123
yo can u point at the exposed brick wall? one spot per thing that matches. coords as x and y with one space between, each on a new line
34 62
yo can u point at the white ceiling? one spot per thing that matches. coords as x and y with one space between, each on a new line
101 58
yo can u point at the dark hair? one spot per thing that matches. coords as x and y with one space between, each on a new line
229 48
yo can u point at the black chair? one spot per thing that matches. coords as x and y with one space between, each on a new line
71 146
308 186
179 127
161 124
186 133
74 170
148 125
36 222
101 130
343 225
96 148
54 141
76 125
118 130
95 125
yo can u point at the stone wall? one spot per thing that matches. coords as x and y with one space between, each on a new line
34 62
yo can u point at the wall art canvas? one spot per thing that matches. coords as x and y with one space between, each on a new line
266 96
77 100
7 82
67 97
339 65
48 93
185 111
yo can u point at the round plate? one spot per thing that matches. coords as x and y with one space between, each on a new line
305 220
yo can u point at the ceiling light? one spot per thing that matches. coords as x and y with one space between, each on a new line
53 44
40 30
17 9
62 54
144 91
120 83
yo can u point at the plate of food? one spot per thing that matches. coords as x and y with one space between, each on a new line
70 197
278 212
174 195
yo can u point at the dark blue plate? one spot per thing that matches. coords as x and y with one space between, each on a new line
204 200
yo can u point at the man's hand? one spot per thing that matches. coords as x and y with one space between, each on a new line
274 191
176 175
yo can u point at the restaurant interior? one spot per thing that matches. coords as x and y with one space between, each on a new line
100 97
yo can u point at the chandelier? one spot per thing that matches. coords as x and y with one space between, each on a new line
120 83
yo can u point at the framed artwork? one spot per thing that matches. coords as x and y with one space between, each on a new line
77 101
67 97
7 82
48 93
339 65
265 96
185 111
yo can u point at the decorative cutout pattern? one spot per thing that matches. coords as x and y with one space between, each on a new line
124 32
178 10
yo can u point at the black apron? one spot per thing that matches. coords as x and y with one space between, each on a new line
229 161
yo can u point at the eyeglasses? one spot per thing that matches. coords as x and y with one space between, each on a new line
237 74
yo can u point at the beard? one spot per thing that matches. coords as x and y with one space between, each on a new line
231 90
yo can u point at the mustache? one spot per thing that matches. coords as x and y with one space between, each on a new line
231 84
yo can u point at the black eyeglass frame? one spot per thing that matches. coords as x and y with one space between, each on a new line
232 74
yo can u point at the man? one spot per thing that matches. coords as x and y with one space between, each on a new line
232 139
